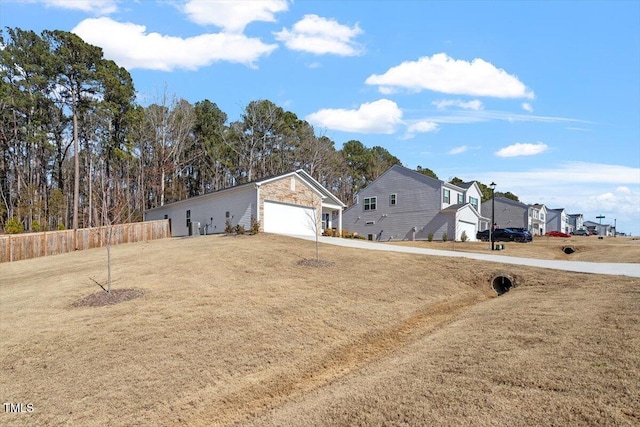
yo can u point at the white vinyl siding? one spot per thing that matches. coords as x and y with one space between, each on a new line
474 203
446 196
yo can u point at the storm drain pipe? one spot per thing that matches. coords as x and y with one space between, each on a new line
502 283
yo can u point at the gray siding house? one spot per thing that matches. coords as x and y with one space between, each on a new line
293 203
508 213
599 229
576 221
403 204
558 220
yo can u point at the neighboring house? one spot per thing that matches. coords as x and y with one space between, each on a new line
576 221
403 204
510 213
599 229
507 212
538 219
293 203
558 220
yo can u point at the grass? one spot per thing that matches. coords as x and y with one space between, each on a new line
233 330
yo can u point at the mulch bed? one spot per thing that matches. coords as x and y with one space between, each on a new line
315 263
102 298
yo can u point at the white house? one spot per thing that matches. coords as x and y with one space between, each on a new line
292 203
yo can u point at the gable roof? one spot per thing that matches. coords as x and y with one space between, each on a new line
509 201
452 209
305 176
425 179
301 174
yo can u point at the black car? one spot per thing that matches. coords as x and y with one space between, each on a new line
527 234
483 235
505 235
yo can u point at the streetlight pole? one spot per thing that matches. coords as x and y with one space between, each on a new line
493 213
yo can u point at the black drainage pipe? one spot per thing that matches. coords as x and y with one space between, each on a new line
568 250
501 283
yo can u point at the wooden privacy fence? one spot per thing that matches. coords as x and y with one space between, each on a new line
16 247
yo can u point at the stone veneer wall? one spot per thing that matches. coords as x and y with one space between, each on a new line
280 191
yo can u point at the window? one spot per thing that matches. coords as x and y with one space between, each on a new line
227 214
293 184
370 203
188 218
460 198
393 199
474 202
446 197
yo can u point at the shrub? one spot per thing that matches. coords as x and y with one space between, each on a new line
35 225
61 227
13 226
240 229
464 236
430 237
445 236
255 225
228 228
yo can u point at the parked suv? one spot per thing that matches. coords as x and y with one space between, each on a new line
483 235
509 235
581 232
505 235
527 234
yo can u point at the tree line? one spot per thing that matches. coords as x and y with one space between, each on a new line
76 150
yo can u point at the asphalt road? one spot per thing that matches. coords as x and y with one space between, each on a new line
609 268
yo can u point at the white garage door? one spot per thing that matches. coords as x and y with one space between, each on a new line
288 219
468 228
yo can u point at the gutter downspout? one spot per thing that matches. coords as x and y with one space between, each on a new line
258 203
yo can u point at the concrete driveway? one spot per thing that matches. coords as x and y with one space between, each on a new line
609 268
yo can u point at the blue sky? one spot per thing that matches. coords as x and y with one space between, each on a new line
541 97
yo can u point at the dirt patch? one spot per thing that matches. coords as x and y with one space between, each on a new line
102 298
315 263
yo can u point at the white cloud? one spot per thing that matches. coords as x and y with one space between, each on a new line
382 116
233 16
624 190
130 46
522 149
468 105
98 7
527 107
423 127
420 127
318 35
440 73
458 150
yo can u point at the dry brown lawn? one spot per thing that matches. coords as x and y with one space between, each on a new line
586 248
235 331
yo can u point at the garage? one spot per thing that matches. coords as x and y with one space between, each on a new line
282 218
469 228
